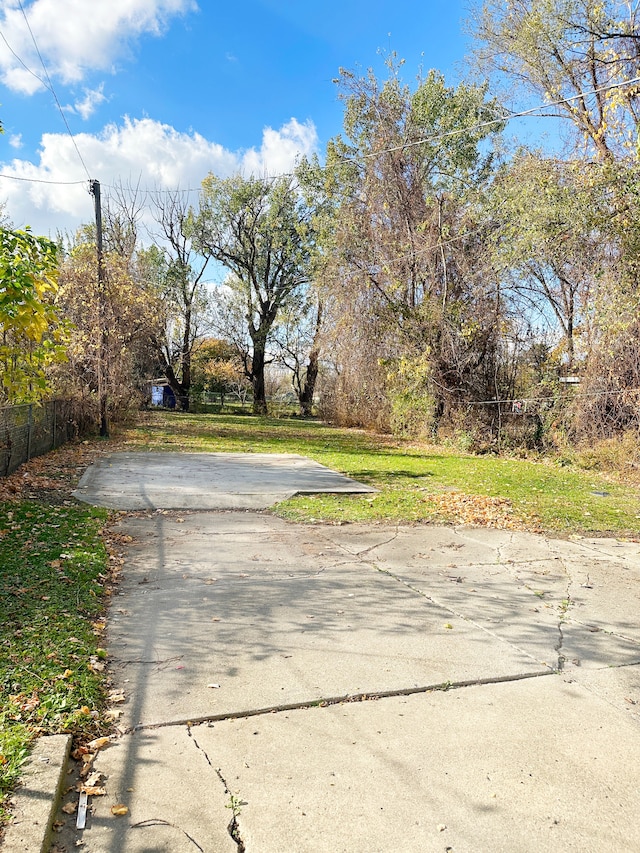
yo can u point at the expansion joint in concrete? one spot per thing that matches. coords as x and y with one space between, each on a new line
348 698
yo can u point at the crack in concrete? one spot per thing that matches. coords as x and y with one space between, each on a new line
347 698
232 828
499 548
157 821
608 631
359 554
158 662
558 648
566 604
457 613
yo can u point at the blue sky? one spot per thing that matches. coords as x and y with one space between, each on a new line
162 91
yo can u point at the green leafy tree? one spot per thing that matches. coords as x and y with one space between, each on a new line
547 246
32 335
261 231
297 340
216 368
583 59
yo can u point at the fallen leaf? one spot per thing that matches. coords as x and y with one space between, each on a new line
119 809
93 790
69 808
116 696
86 767
98 743
113 714
79 752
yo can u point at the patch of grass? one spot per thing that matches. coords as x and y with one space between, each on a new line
53 568
540 495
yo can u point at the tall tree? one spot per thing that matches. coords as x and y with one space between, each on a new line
180 269
260 230
408 267
547 246
583 58
130 314
297 340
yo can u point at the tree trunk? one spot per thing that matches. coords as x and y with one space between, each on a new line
186 361
181 395
257 380
306 394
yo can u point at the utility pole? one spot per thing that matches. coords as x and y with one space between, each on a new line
103 331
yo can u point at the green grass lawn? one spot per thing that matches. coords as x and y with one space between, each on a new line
415 483
52 575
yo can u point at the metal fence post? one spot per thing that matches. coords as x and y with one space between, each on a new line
29 431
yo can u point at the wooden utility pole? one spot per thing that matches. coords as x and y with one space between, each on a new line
103 333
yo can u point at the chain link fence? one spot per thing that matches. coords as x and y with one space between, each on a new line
33 429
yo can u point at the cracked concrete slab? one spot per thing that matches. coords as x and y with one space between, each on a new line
564 606
202 481
297 623
176 801
223 614
527 766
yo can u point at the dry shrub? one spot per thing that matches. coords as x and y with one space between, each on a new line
608 400
617 455
351 399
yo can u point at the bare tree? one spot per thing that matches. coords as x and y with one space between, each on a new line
181 269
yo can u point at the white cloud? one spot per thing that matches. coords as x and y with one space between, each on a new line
281 148
139 151
15 140
75 36
87 106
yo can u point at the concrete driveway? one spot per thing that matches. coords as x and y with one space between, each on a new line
335 688
207 480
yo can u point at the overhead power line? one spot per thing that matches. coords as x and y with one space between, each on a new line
501 119
578 395
51 88
42 181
